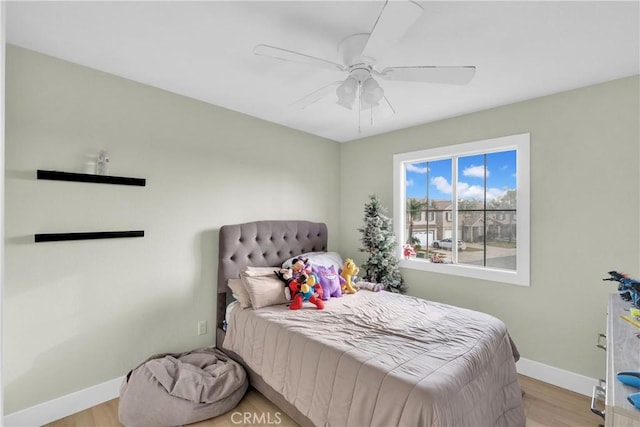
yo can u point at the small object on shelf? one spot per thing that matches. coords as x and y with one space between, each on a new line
631 320
628 288
87 177
102 163
60 237
634 399
90 167
631 378
437 259
408 251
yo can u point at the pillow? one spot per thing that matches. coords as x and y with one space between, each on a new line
258 271
264 290
240 292
324 259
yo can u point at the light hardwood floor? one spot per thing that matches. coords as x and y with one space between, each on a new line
544 404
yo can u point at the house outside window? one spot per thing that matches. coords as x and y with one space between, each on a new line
485 209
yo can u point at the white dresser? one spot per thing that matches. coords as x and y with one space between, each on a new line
623 354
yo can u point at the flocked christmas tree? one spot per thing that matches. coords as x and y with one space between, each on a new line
380 243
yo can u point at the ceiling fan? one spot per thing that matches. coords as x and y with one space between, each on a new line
359 53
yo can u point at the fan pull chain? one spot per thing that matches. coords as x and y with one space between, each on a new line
359 105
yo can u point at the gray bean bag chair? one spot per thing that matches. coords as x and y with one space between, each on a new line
173 389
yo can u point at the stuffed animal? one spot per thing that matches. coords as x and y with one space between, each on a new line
302 284
408 251
373 287
436 259
629 289
301 271
285 274
348 270
301 292
330 281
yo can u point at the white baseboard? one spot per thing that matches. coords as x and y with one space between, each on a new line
556 376
61 407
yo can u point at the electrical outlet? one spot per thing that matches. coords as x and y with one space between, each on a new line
202 327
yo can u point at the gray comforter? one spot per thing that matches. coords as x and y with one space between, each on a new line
382 359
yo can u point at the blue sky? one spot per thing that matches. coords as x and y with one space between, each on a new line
500 171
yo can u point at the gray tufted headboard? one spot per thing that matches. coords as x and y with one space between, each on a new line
263 244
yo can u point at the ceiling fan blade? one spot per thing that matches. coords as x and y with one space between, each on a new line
394 21
387 109
430 74
290 55
316 95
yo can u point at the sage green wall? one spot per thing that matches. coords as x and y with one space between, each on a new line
80 313
584 214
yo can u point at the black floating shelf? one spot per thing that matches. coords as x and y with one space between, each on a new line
87 177
59 237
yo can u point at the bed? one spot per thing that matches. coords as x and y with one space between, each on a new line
372 358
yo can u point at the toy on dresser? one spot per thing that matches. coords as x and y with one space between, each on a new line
629 289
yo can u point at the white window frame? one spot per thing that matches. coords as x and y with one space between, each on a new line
520 143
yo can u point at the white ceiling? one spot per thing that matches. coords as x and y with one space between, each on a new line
204 50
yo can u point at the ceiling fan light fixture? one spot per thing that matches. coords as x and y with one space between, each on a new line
346 103
372 93
347 92
359 52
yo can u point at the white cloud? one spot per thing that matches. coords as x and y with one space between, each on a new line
409 183
413 167
466 191
441 184
475 171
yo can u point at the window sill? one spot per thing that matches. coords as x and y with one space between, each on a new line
520 278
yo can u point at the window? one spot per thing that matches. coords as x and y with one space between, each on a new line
476 199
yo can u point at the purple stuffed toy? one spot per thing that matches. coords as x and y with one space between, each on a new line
329 280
